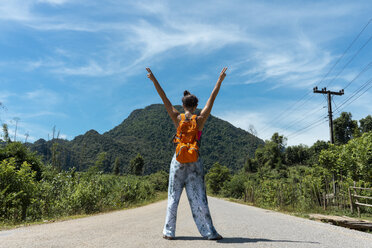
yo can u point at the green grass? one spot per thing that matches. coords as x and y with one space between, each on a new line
158 197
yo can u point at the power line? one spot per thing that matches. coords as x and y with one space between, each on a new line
352 58
359 95
329 93
347 49
304 98
310 127
304 117
334 102
360 73
365 85
283 112
307 127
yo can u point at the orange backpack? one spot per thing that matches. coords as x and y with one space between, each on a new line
187 144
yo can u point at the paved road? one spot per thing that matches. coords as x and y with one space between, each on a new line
242 226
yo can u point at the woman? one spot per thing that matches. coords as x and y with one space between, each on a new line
190 175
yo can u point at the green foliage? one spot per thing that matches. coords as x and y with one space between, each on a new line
250 165
159 180
345 128
235 186
136 165
271 156
315 150
6 133
353 159
17 189
55 155
309 186
64 193
297 155
366 124
61 193
216 177
21 154
116 168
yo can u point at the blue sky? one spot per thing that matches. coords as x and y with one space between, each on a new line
80 65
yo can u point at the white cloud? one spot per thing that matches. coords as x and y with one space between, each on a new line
27 124
91 69
265 128
303 122
54 2
153 40
16 10
43 97
4 95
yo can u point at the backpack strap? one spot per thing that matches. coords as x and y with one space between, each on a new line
183 117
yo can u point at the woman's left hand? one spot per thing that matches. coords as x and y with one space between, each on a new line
150 74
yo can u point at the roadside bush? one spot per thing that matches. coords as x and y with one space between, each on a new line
235 186
159 180
17 190
216 177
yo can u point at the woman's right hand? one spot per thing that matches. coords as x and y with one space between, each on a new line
222 75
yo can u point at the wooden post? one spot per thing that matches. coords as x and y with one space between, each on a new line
351 201
324 200
356 200
252 194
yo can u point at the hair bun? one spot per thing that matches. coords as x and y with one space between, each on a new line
185 93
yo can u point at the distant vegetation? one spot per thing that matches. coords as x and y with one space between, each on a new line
301 178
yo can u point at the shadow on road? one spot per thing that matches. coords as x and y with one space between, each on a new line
189 238
238 240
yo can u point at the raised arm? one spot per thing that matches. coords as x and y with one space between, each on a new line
204 114
173 113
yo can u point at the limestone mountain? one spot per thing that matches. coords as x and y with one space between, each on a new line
149 132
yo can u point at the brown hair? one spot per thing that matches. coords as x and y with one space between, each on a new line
189 101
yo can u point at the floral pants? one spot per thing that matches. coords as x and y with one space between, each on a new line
190 176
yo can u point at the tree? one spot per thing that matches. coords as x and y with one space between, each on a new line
6 133
366 124
318 146
99 165
295 155
315 150
344 128
17 188
21 154
217 176
272 154
136 165
116 168
55 155
101 159
235 187
250 165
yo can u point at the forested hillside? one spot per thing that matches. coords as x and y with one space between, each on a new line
148 132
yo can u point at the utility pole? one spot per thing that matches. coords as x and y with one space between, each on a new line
329 94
